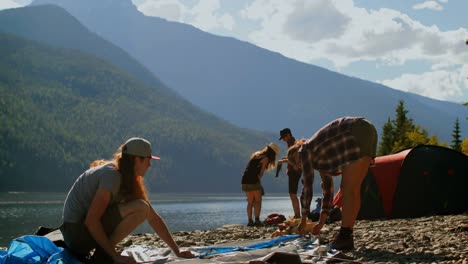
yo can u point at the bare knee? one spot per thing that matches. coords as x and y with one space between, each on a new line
142 207
139 208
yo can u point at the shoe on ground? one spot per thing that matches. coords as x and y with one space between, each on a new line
343 243
258 223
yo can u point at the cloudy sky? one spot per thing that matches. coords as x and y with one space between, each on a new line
410 45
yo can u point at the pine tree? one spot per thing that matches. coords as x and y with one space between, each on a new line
386 145
401 133
402 125
456 141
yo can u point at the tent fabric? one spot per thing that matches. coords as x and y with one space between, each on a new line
423 180
35 250
386 173
433 180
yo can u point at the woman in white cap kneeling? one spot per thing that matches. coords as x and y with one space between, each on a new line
108 201
251 180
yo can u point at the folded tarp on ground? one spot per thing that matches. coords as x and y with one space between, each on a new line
209 251
294 248
41 250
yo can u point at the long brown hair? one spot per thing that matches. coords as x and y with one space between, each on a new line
131 186
266 152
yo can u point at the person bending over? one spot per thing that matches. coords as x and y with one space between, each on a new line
345 146
251 180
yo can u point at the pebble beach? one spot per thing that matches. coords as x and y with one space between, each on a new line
432 239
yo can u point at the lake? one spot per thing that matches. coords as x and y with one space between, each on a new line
22 213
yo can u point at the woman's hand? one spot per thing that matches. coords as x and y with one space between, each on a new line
123 259
185 254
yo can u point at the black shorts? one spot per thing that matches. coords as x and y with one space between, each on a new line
293 182
78 238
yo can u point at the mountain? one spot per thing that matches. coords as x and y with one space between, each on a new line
60 109
250 86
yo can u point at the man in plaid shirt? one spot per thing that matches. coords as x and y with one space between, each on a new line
347 147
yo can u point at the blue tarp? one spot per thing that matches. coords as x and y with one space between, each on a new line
35 250
209 251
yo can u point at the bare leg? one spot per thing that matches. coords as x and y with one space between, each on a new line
257 203
295 204
133 214
250 204
351 181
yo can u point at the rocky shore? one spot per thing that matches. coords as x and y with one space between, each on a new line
434 239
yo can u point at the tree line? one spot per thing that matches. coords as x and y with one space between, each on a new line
402 133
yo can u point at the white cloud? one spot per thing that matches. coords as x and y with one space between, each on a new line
206 14
23 2
332 30
439 84
302 24
7 4
431 5
171 10
385 36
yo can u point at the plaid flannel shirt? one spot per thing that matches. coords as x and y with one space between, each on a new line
329 150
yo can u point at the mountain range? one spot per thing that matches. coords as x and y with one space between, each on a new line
70 97
250 86
74 87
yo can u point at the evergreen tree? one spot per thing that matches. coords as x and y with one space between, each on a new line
456 141
402 125
401 133
386 144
